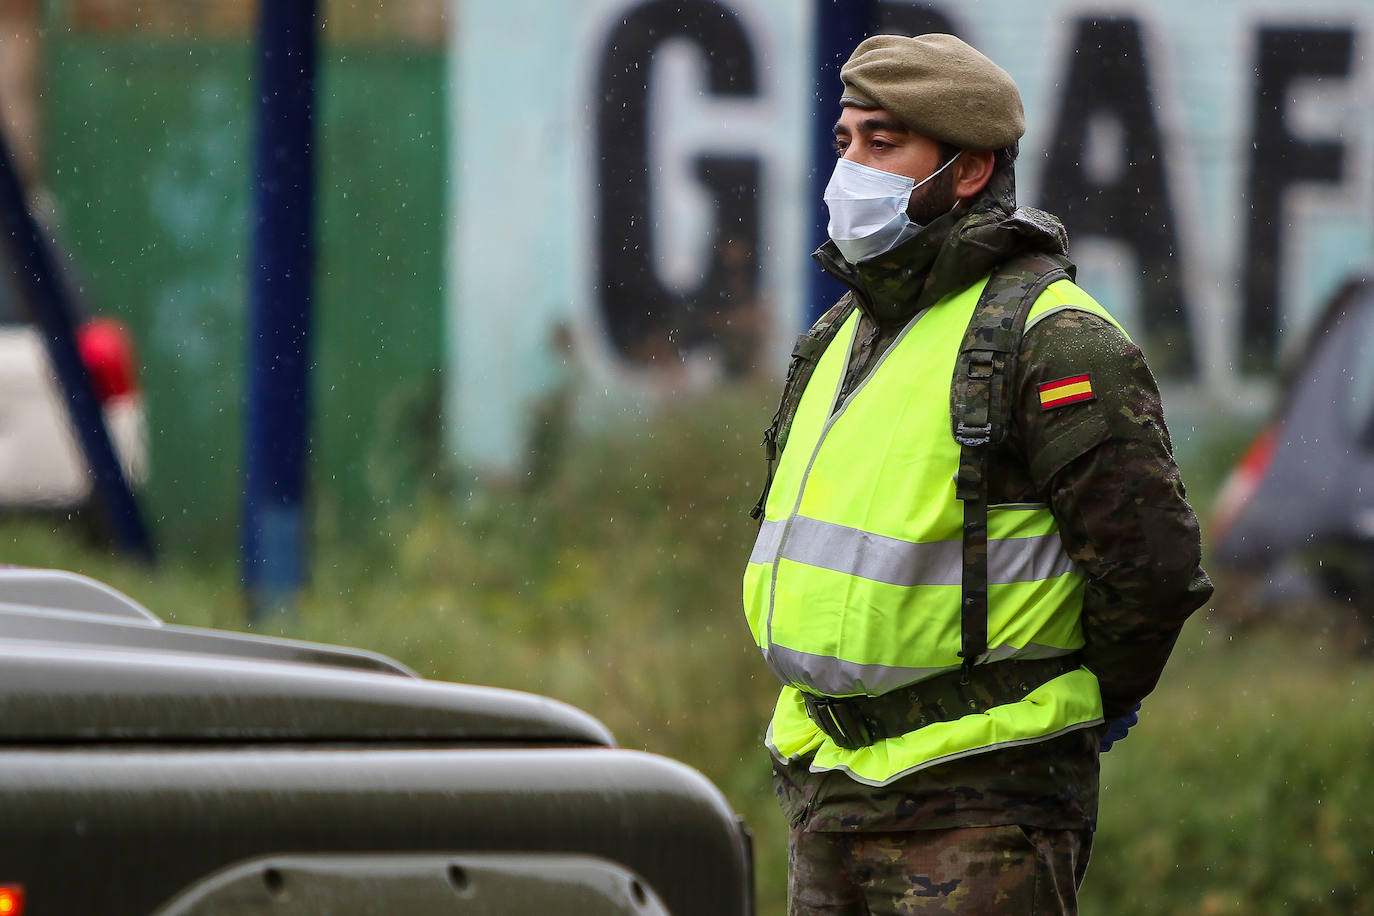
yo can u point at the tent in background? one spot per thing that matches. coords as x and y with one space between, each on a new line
1299 505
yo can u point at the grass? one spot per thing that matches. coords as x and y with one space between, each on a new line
612 583
1248 788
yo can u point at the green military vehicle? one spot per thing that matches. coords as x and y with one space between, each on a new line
156 769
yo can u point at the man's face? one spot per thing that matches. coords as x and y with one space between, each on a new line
873 137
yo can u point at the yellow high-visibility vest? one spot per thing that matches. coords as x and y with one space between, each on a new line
854 583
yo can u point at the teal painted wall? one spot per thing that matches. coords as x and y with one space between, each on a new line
147 156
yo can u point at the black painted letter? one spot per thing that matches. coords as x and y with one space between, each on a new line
1284 55
647 322
1108 88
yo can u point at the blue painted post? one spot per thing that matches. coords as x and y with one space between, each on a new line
56 319
840 26
280 287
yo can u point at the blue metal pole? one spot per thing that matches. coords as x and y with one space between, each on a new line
280 290
840 26
56 318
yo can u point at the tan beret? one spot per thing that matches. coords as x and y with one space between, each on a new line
938 86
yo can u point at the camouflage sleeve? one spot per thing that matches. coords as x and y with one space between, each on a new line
1106 465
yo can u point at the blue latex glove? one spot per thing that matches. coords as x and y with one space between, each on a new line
1118 729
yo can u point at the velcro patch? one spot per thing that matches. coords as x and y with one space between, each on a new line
1069 390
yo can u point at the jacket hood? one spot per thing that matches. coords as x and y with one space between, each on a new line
948 254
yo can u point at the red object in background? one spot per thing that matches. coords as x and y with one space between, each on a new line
108 352
1240 485
11 900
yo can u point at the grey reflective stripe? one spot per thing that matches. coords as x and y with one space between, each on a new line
836 677
893 561
1029 559
766 544
1028 652
872 556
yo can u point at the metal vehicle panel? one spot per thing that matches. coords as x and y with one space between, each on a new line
137 773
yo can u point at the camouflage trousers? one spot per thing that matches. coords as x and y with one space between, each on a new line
1006 870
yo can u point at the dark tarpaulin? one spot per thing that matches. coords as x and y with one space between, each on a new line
1309 478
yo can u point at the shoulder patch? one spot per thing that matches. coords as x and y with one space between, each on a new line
1071 390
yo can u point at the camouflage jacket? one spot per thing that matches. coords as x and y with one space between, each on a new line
1106 469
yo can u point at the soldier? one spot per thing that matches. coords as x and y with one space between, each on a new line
976 550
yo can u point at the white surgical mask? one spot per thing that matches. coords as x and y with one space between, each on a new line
868 209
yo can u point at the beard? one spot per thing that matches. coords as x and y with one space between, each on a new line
934 200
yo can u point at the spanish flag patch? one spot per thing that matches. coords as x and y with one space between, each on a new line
1069 390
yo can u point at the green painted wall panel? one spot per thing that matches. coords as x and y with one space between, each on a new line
381 170
148 156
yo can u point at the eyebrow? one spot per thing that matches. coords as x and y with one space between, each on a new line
870 124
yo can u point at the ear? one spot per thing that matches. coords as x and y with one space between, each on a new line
971 173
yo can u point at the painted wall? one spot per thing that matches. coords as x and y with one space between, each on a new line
628 205
148 159
630 185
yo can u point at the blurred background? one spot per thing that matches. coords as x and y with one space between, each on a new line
557 255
